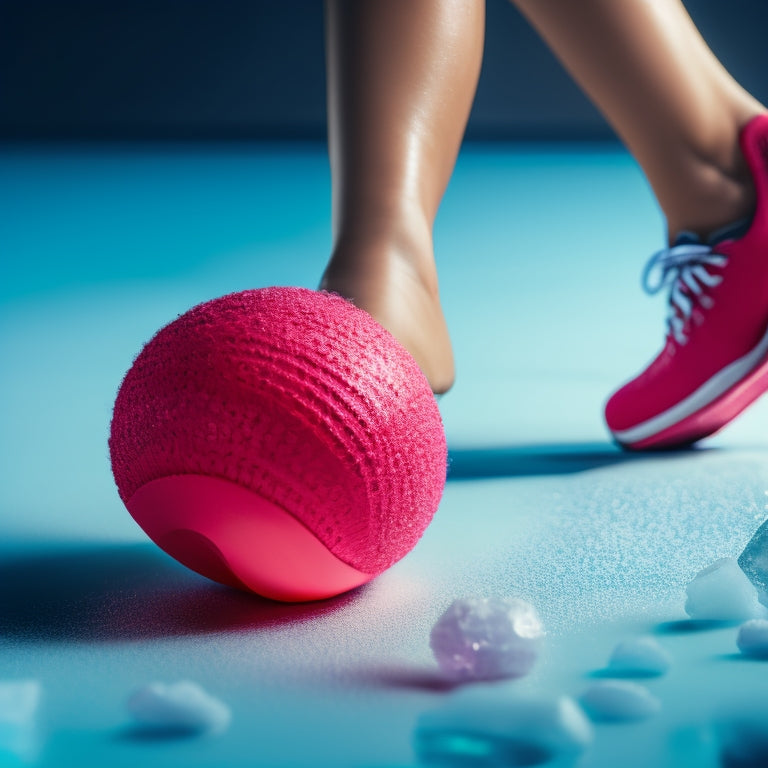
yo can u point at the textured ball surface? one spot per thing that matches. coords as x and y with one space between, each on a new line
299 397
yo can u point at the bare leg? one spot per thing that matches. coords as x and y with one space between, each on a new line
401 79
646 67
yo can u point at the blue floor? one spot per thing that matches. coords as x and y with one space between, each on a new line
540 250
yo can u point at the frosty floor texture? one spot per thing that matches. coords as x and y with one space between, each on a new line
104 245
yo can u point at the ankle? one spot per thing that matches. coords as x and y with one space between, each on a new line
391 274
715 198
373 251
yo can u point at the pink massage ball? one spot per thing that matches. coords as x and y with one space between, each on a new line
280 441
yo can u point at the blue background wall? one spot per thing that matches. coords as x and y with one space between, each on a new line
255 69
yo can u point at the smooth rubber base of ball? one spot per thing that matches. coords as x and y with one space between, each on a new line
234 536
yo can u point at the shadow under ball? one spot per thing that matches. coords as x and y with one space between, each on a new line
280 441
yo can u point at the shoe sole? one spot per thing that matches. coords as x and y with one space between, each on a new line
711 407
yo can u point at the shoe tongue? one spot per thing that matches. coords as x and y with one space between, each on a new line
729 232
687 238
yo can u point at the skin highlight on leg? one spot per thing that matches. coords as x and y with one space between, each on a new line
402 76
646 67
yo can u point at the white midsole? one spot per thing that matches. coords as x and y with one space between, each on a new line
709 391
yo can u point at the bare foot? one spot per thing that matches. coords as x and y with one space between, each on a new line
400 292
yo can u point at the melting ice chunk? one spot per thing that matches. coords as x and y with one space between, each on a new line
618 701
495 729
722 592
754 562
753 638
640 657
19 700
182 707
487 638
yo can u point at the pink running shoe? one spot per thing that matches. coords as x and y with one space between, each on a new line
715 359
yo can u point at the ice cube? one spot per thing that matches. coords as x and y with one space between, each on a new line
639 656
182 707
754 562
722 592
492 728
487 638
617 701
753 638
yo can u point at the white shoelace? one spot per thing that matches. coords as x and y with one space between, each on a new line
683 266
